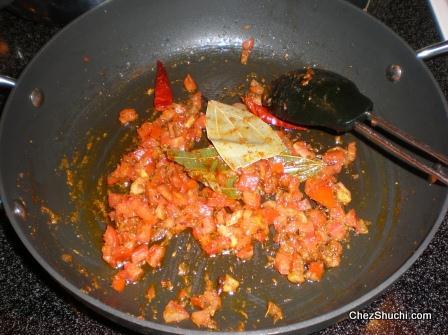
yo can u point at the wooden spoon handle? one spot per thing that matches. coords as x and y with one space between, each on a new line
376 121
387 145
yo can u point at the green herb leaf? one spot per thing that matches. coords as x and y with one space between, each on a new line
303 168
201 159
203 165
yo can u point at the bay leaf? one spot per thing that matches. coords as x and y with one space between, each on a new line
302 167
205 159
203 165
240 137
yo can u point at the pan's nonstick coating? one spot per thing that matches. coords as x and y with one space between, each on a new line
103 62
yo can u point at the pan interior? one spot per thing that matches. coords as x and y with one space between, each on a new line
219 76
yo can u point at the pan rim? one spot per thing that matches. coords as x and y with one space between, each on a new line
133 322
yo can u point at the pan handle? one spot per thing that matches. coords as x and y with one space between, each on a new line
7 82
433 50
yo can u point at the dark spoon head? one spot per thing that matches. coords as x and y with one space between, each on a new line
318 98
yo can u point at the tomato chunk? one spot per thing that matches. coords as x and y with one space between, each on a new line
315 271
174 312
320 190
190 84
248 45
155 255
119 282
128 115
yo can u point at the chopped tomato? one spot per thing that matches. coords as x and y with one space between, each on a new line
190 84
247 182
251 199
174 312
248 45
144 233
210 299
302 149
200 122
140 254
110 245
277 168
124 172
246 253
335 158
121 253
209 303
315 271
321 191
127 115
133 272
155 255
317 217
119 282
165 192
203 319
110 237
269 214
282 262
337 230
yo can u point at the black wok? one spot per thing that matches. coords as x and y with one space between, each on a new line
103 62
